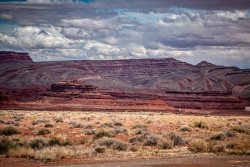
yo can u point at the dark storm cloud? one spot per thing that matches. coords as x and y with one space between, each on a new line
118 29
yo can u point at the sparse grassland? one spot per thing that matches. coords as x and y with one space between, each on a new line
49 136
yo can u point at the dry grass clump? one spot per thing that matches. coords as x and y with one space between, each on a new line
75 125
90 132
230 133
103 133
185 129
219 136
100 149
113 143
53 153
48 125
9 130
21 152
37 144
152 140
120 130
177 140
54 142
197 146
58 120
237 148
200 124
5 145
43 132
215 147
241 129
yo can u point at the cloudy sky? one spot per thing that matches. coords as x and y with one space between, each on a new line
217 31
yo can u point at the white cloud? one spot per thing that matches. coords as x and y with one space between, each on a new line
34 37
6 16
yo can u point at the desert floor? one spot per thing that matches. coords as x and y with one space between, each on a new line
46 138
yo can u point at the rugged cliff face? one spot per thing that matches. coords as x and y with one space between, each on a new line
14 57
173 82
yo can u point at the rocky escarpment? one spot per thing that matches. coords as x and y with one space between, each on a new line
124 82
14 57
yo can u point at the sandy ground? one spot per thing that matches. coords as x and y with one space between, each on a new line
196 161
182 161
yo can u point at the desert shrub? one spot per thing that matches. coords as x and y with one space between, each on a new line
84 141
52 153
178 140
120 130
231 145
230 134
76 125
48 125
43 132
141 131
59 120
119 146
8 131
134 148
114 144
238 148
151 141
106 142
197 145
137 139
54 142
88 127
10 122
117 124
107 125
215 148
21 152
240 129
201 124
90 132
66 143
185 129
166 144
100 149
5 145
219 136
1 122
37 144
103 134
139 126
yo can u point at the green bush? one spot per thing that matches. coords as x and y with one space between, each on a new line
8 131
44 132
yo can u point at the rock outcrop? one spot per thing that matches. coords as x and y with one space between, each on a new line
124 83
14 57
